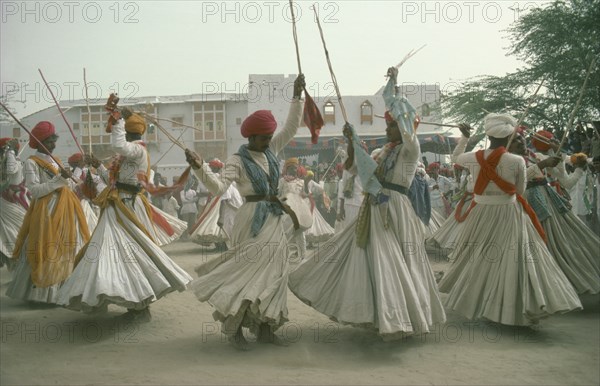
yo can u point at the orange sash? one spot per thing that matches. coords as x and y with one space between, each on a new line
487 174
52 236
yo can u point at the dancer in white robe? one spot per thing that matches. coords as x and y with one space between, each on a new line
320 230
582 192
210 224
376 273
247 285
122 263
291 191
13 200
502 270
573 244
54 228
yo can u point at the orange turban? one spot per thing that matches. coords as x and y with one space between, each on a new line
538 144
578 158
135 124
289 162
260 122
42 131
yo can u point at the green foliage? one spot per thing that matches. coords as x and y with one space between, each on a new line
556 43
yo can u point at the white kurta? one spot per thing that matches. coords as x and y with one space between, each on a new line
121 264
505 273
247 284
12 213
388 286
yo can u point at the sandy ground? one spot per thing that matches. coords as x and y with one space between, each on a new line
182 345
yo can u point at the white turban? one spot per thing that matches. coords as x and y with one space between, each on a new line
499 125
375 152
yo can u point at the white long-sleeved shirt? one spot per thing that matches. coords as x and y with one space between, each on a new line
234 169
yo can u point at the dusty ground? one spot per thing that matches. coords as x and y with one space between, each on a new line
182 345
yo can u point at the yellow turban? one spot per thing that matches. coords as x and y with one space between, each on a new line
135 124
291 161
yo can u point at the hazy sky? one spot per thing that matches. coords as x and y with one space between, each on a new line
141 48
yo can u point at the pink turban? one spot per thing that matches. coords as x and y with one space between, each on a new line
41 131
260 122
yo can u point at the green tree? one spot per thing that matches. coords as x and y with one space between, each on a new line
557 43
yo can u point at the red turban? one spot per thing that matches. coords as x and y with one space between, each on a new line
434 166
77 157
4 141
541 145
260 122
216 164
41 131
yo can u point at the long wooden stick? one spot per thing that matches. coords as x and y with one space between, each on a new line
295 36
89 111
37 140
333 79
512 136
169 149
61 113
574 111
169 135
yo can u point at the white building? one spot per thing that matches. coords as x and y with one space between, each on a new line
210 123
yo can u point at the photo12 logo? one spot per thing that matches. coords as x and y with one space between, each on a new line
267 11
68 91
69 11
463 11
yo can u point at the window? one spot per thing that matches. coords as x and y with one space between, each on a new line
238 121
329 113
425 110
16 132
209 119
366 113
97 118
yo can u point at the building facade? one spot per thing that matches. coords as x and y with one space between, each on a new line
210 123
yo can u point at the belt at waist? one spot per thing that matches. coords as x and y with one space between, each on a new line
534 183
270 198
128 188
258 197
394 187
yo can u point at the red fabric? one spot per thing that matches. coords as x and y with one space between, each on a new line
433 166
301 172
388 117
488 173
260 122
162 222
41 131
312 118
216 164
538 144
4 141
75 158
